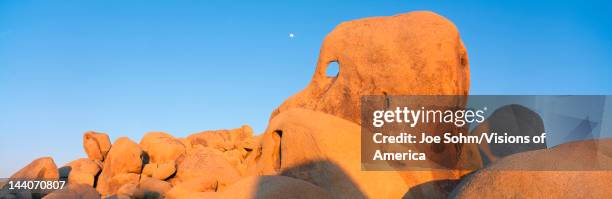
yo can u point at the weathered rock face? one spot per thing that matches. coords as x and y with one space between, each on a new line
419 53
96 145
235 144
223 140
162 147
206 165
572 170
122 165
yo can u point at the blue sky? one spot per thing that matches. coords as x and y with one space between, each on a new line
127 68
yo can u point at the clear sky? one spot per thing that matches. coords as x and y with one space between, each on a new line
130 67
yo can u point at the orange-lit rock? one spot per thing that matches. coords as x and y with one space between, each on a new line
162 147
572 170
122 165
96 145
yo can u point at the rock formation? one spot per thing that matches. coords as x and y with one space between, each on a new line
511 118
311 146
39 169
96 145
122 165
418 53
83 171
572 170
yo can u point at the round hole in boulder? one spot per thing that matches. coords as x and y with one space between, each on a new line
333 68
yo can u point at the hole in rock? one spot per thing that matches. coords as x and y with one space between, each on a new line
333 68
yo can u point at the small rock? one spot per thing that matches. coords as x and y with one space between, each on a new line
149 169
164 170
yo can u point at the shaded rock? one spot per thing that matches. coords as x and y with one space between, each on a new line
162 147
128 189
418 53
96 145
515 119
274 187
192 187
164 171
154 188
572 170
123 164
74 191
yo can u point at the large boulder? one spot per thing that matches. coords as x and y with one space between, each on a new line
572 170
204 169
96 145
516 120
74 191
273 187
235 144
418 53
323 149
82 171
154 188
162 147
122 165
41 168
206 163
191 188
164 171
